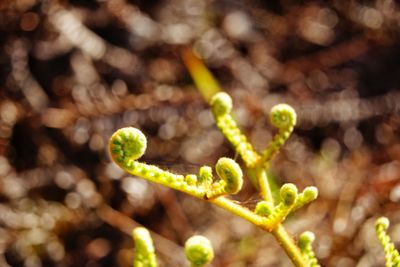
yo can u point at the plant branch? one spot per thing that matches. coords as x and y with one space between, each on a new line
265 188
289 245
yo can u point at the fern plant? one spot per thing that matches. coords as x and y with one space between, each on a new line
127 145
392 256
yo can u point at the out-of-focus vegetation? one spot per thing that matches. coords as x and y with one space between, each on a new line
72 72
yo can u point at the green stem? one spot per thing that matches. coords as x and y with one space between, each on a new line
265 188
240 211
289 245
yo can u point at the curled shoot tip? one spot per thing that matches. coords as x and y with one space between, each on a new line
306 239
221 104
288 193
283 116
382 223
230 172
127 144
205 176
231 176
199 251
310 193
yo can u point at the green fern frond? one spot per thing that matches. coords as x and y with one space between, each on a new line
392 256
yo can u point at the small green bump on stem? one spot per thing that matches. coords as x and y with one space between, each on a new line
264 208
392 256
309 194
191 179
199 251
144 254
288 193
205 176
306 239
305 244
221 104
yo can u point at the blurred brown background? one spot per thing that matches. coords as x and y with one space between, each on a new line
72 72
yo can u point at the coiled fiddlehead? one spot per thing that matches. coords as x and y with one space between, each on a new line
392 257
231 178
283 117
198 251
128 144
144 253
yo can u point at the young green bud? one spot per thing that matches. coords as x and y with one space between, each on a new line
283 116
382 223
305 244
144 253
205 175
127 144
191 179
288 194
264 208
221 104
310 193
230 172
306 239
198 250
